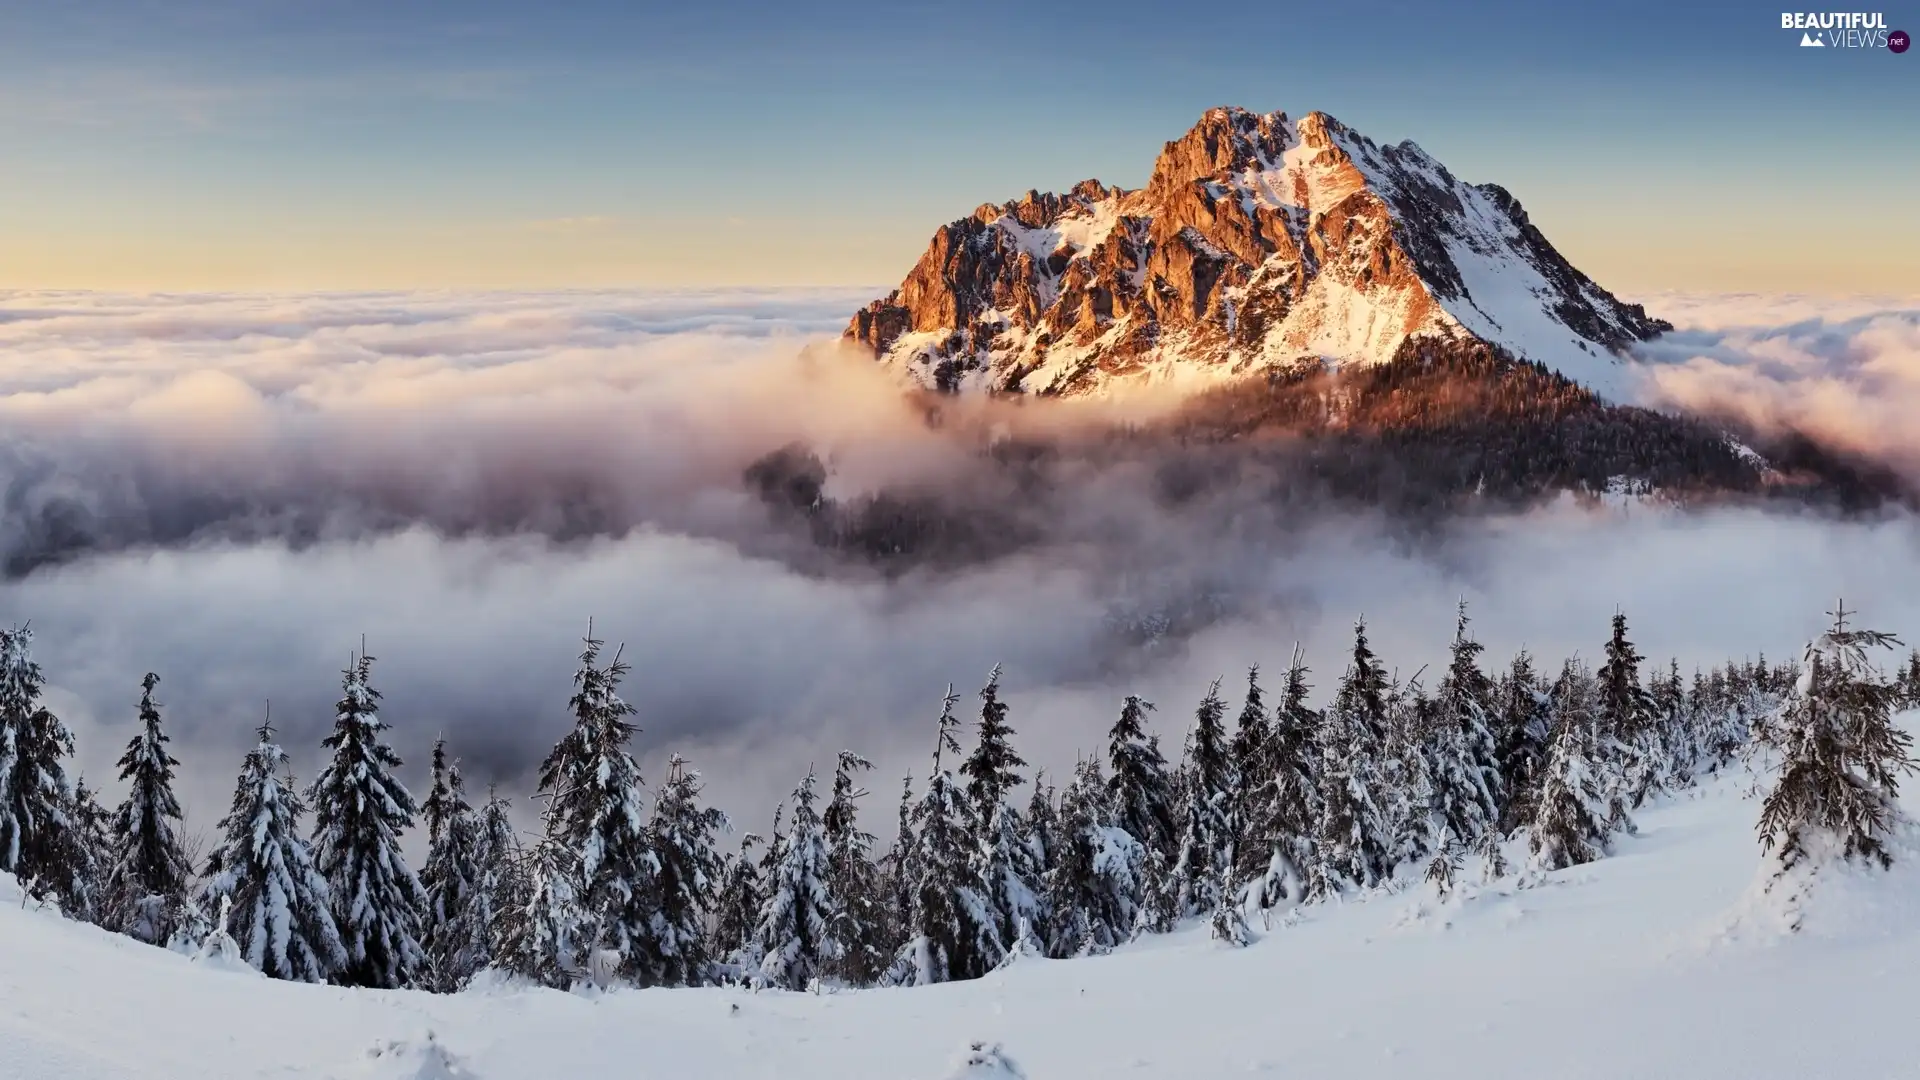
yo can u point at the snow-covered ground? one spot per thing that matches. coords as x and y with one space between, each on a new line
1650 963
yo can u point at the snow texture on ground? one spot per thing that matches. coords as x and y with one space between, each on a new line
1660 961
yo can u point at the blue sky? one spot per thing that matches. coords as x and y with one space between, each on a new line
209 143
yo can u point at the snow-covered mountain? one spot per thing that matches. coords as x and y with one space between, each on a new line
1260 241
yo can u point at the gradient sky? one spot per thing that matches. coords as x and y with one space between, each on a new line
185 144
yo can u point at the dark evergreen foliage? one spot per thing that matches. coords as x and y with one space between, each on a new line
1841 755
1204 859
595 808
455 916
682 836
40 843
280 911
1139 791
853 882
361 809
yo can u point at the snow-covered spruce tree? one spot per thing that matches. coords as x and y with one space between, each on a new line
853 890
1228 922
1095 888
1910 682
1276 849
1407 797
360 811
1444 866
1572 815
953 932
1353 836
796 943
282 911
1252 758
1727 728
39 841
1003 865
456 937
1042 835
736 920
1525 722
1673 725
1627 728
901 872
1463 759
684 835
545 933
1138 790
148 875
438 805
502 880
1204 858
595 810
93 832
1159 910
1841 755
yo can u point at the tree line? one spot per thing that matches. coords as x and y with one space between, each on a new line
1287 803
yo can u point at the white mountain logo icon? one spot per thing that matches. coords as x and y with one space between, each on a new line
1808 41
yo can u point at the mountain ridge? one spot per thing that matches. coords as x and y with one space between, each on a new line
1259 242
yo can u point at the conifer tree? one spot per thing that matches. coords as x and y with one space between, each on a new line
737 911
1408 795
1526 724
1042 836
901 872
1626 719
148 875
1095 890
683 838
1252 761
1159 909
1444 866
93 856
545 933
455 914
1353 835
796 945
595 808
1228 924
1139 791
1205 854
281 909
1572 815
1910 682
437 806
40 843
1003 865
1276 857
501 883
992 769
1841 755
1673 725
361 809
852 883
1463 754
953 932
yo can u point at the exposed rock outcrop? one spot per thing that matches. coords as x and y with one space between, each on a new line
1259 242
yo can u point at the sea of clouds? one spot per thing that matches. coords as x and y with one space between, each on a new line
231 490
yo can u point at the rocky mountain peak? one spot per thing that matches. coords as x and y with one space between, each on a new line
1258 242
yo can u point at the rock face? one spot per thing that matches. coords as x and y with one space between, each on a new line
1259 242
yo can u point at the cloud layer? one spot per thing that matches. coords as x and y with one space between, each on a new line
1846 373
246 485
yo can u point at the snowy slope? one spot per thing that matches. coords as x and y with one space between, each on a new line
1646 964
